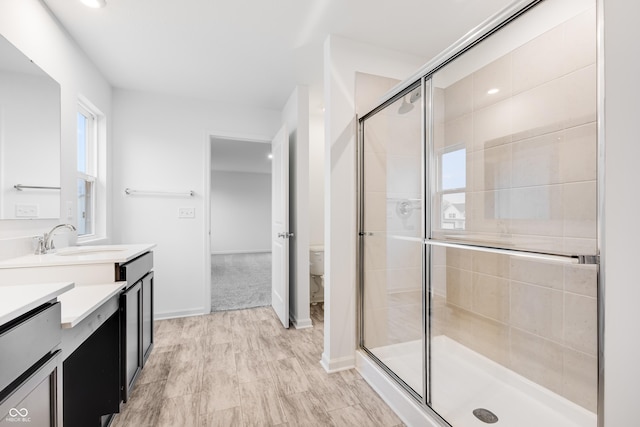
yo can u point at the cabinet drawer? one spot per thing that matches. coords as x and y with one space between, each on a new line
135 269
28 339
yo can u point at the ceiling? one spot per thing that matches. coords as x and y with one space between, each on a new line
252 52
240 156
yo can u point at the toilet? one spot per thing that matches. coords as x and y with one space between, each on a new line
316 269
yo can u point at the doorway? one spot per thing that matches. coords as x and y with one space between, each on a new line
240 224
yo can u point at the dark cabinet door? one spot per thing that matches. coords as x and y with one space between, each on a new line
147 316
91 380
131 315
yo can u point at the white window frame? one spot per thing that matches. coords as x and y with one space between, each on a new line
91 162
441 193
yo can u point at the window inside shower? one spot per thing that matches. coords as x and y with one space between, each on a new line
452 182
477 200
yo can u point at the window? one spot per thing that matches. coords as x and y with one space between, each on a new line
454 171
87 170
452 182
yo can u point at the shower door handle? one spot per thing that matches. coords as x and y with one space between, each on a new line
539 256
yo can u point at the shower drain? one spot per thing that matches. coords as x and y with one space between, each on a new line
485 415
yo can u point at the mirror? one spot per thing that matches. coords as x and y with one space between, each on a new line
29 138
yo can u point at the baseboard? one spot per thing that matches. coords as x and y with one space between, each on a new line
337 365
301 323
409 411
176 314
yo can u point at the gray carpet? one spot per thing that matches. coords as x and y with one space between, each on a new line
240 281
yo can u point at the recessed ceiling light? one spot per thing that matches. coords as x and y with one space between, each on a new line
270 156
493 91
96 4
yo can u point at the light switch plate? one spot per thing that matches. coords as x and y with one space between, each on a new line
186 212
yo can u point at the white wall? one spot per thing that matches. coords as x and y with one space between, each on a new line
621 231
240 212
342 59
163 142
29 25
295 115
316 179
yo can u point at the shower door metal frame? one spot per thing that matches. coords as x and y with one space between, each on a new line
424 74
425 142
600 213
427 172
362 233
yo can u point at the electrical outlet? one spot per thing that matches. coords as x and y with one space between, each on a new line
186 212
26 211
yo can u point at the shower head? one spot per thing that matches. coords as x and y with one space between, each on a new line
415 95
405 107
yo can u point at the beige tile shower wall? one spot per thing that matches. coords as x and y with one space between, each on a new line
530 184
392 212
531 147
538 319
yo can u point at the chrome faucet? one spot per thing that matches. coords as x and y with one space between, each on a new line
45 243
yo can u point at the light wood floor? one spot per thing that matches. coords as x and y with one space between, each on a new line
241 368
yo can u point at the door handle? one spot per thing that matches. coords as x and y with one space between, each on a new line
285 235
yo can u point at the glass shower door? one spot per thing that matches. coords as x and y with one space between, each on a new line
479 253
514 325
391 238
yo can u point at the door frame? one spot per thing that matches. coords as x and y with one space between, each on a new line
208 137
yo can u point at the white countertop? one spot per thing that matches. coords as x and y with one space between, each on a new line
18 300
74 255
81 301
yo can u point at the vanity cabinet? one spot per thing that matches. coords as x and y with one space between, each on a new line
136 314
107 330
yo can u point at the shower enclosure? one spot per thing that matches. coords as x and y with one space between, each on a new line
478 244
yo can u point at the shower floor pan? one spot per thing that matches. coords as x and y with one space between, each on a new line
464 380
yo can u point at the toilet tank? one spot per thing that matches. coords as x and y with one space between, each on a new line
316 260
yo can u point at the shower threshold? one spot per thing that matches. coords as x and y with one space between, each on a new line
463 380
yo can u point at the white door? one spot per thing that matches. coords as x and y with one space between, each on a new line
280 225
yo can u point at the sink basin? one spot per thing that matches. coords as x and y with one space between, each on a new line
88 250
